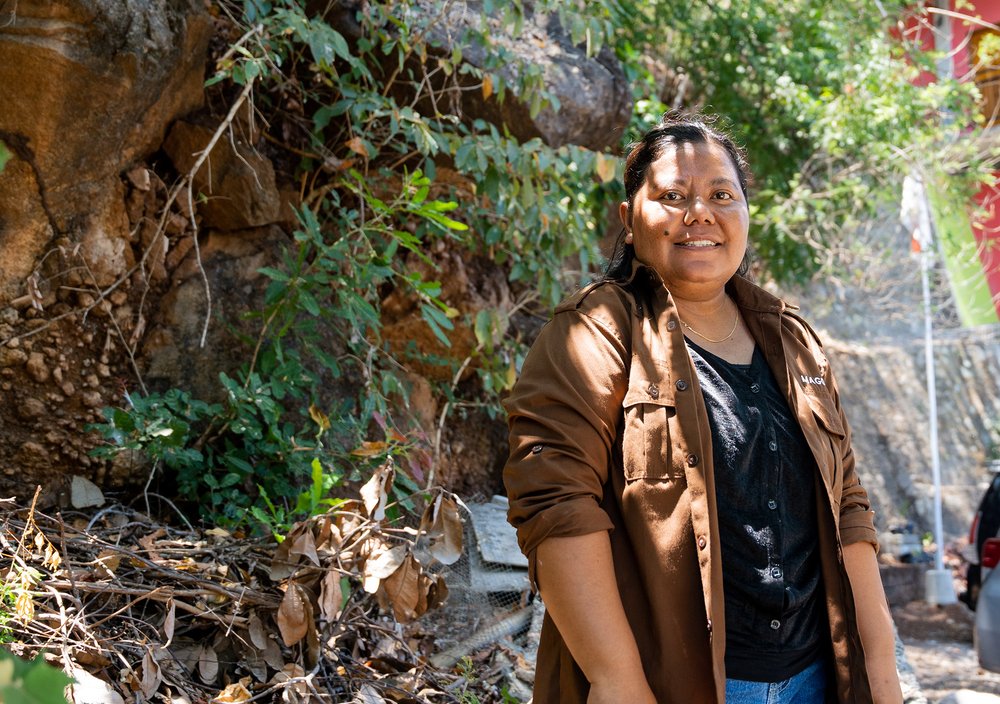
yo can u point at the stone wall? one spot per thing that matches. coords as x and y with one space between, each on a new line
884 391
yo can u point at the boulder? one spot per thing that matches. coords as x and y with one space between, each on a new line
172 354
235 185
595 100
96 85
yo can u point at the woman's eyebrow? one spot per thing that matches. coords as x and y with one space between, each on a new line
723 181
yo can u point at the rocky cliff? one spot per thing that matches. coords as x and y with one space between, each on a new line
884 391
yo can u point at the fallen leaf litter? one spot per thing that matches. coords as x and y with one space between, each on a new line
139 611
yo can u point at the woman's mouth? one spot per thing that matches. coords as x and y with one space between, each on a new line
698 243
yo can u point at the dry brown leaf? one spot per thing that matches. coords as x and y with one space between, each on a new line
405 591
106 563
605 167
487 86
382 564
375 492
319 418
149 541
446 532
437 593
294 615
368 695
208 664
234 693
258 635
151 677
170 620
283 565
357 145
331 596
305 545
272 654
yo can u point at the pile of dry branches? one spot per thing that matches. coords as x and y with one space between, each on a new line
138 611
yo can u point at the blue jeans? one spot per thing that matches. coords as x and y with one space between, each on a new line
807 687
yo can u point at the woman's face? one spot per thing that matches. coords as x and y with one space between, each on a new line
689 220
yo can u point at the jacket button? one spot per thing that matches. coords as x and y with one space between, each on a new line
702 542
775 624
692 460
536 449
755 387
671 325
681 385
654 392
709 625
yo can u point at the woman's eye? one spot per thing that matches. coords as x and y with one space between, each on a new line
672 195
723 195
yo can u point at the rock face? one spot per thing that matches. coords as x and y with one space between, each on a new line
88 89
96 84
593 95
883 390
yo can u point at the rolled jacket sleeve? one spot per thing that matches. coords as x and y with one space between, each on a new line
563 416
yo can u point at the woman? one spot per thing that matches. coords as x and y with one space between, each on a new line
681 475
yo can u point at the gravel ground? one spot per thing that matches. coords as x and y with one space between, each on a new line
937 641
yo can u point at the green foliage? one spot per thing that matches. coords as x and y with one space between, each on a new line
34 682
4 155
825 100
392 174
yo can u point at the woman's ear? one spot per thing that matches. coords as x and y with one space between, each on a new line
623 213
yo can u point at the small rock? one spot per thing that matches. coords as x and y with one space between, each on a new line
84 493
9 316
139 176
103 370
92 399
31 408
37 368
12 357
68 389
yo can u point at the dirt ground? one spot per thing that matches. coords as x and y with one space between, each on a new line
938 645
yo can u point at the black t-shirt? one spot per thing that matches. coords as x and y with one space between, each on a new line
765 483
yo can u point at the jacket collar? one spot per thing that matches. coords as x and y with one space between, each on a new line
748 295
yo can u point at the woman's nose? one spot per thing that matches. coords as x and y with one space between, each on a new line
698 211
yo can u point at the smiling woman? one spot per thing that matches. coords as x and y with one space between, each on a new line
687 501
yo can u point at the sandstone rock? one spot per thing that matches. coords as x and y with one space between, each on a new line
593 93
172 355
97 83
238 186
12 357
30 409
37 368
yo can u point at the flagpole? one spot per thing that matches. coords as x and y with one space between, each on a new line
938 585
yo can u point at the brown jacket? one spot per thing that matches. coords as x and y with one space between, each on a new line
608 431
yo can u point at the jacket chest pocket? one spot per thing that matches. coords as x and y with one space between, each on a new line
832 437
647 450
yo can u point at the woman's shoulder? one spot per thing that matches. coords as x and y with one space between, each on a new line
801 328
607 301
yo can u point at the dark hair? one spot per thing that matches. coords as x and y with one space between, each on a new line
674 128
